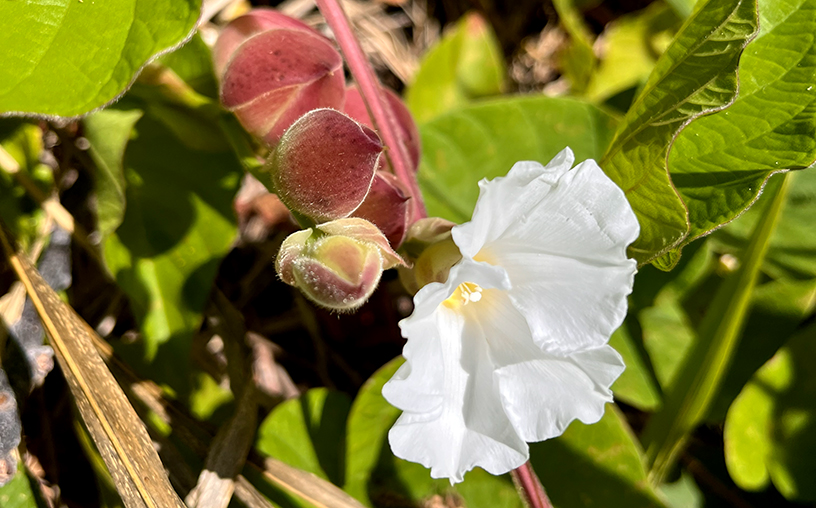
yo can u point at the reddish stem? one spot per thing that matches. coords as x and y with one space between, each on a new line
379 108
531 489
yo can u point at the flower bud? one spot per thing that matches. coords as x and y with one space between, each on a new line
429 244
386 206
356 109
274 69
338 264
324 165
242 28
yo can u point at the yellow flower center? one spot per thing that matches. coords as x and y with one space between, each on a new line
464 294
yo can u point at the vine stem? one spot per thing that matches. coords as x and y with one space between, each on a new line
371 91
530 486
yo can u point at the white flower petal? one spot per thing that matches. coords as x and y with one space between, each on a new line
569 304
506 200
541 393
542 396
418 385
566 258
468 427
584 216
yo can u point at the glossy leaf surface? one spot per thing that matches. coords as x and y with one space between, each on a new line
66 58
485 140
696 75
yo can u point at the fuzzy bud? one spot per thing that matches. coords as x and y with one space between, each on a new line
386 206
273 69
324 165
338 264
355 108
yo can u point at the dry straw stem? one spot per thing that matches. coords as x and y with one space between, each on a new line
119 435
319 492
227 456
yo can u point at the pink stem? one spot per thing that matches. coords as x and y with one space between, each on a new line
531 489
378 107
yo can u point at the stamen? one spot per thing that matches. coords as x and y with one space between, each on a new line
464 294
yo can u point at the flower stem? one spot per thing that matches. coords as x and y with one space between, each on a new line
371 92
532 492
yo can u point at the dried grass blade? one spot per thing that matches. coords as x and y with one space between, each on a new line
117 431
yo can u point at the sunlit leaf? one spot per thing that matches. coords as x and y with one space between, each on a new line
770 430
108 132
690 397
777 310
696 75
594 465
720 163
177 226
485 140
67 58
631 46
308 433
465 65
18 492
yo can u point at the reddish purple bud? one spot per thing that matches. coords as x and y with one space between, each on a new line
280 70
337 265
355 108
387 207
242 28
324 165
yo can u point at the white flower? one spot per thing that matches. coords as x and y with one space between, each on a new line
513 347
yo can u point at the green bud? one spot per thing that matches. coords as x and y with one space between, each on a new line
338 264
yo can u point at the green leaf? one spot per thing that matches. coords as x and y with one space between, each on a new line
668 336
683 493
719 163
637 385
193 63
66 58
683 8
594 465
108 132
793 246
18 492
367 430
21 144
465 65
696 75
485 140
777 310
770 430
690 397
309 433
631 47
178 225
578 57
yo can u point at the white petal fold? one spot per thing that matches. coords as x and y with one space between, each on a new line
453 419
